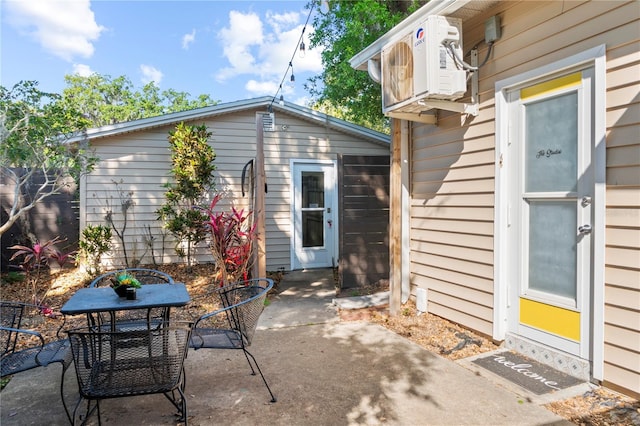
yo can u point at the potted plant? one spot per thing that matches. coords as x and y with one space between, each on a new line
122 281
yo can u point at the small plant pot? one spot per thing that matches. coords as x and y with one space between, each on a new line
121 290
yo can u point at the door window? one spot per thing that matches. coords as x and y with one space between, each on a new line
312 209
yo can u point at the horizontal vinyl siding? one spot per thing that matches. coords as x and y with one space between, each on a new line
301 140
622 252
452 219
140 163
452 176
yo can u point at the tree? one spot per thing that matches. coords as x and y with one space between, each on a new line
348 27
192 169
106 100
34 129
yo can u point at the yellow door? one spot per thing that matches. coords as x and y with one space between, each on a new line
550 143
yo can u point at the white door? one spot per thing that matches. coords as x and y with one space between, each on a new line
313 215
550 212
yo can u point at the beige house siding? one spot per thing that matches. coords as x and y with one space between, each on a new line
140 161
452 172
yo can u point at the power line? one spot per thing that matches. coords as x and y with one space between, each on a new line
299 45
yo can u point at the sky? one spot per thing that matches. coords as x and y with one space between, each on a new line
230 50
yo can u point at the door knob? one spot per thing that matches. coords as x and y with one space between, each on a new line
585 229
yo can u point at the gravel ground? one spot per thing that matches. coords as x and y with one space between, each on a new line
598 407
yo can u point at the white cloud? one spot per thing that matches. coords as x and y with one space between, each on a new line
243 33
260 88
66 28
187 39
264 50
82 70
150 73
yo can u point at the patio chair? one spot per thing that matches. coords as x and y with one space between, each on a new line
24 349
233 326
145 277
107 366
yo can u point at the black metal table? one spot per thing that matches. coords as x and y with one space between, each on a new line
93 301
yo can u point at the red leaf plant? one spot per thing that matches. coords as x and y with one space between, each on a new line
35 259
232 238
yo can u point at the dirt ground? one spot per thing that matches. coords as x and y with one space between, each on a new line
598 407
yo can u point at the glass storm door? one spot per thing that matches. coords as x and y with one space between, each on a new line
313 215
551 143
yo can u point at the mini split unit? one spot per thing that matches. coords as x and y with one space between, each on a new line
420 66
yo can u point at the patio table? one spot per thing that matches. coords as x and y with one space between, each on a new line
96 300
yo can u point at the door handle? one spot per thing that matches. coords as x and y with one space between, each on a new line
584 229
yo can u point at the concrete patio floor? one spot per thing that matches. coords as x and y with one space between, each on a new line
323 372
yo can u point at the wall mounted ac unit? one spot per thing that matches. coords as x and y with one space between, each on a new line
420 67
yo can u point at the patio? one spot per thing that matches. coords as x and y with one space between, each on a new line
322 371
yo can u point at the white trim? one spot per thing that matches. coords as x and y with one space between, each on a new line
599 159
405 219
596 58
334 201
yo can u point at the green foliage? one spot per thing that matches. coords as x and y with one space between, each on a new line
34 129
95 241
35 259
346 29
126 279
13 277
192 169
106 100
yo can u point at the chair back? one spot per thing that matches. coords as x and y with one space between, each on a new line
233 325
107 365
145 276
243 303
10 321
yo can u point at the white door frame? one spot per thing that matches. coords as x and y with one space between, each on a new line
596 58
332 202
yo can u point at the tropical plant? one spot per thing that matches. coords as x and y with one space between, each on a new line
125 279
95 241
192 169
37 258
232 241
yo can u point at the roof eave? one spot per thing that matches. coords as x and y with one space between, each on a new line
434 7
226 108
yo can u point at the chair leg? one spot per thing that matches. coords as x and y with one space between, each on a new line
64 404
180 404
89 411
248 354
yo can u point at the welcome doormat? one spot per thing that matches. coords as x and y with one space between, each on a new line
526 372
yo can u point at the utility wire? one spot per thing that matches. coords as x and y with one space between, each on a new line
292 57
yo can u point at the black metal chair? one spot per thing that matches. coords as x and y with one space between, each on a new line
233 326
33 351
145 277
115 364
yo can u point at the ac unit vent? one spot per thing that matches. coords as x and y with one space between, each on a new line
397 68
420 66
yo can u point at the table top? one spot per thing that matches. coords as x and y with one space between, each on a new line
104 299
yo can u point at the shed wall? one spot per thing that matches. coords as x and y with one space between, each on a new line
138 163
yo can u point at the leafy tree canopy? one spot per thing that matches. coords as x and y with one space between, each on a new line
344 30
34 129
105 100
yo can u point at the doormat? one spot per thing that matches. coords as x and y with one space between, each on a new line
526 372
